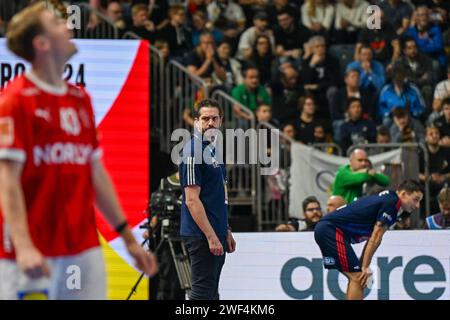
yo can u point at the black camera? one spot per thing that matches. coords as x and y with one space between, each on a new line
164 209
165 205
165 202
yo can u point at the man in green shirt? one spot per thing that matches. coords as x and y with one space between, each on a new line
350 178
251 93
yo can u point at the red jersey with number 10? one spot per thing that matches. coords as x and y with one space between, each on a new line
51 130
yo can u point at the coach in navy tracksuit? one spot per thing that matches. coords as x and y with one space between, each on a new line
365 219
204 218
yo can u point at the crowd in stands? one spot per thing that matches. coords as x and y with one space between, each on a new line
317 69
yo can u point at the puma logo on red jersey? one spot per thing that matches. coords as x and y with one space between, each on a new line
43 113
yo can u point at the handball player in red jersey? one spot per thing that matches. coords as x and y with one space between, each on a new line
51 174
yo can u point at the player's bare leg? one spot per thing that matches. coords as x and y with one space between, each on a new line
354 289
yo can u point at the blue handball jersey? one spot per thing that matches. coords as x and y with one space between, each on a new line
201 166
358 219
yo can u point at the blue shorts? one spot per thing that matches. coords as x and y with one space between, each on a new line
336 250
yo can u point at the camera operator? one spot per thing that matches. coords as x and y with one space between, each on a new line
204 217
163 285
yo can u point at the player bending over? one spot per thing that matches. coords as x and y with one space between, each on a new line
365 219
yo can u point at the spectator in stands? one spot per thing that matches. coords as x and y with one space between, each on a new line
251 93
439 11
405 129
202 25
427 36
320 133
232 75
201 61
285 95
304 125
263 58
356 130
418 68
317 16
371 71
439 164
350 178
93 20
351 16
443 123
248 37
96 27
384 42
99 5
335 202
322 136
175 33
400 93
289 130
383 136
114 12
159 13
227 16
441 92
398 13
289 38
319 74
312 214
264 113
338 101
281 6
141 25
440 220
